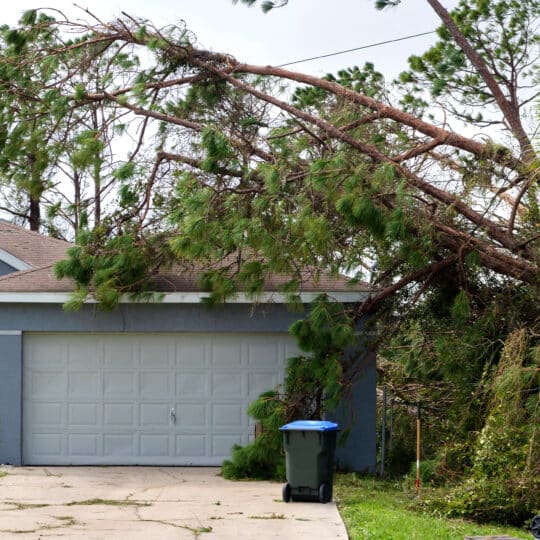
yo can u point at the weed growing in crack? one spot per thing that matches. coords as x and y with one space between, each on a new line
107 502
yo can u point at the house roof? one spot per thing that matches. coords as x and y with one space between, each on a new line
32 248
40 252
40 279
310 282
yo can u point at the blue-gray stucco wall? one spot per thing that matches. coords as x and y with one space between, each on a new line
148 318
6 269
357 414
10 397
358 453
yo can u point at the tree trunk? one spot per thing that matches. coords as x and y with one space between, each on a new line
510 111
77 201
34 217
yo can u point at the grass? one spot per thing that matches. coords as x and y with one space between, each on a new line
271 516
107 502
380 510
26 506
2 473
67 521
195 531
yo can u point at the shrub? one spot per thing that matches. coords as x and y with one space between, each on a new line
262 459
504 484
313 382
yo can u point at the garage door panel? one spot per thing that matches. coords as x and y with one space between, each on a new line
155 383
154 353
119 383
191 353
119 414
119 445
87 353
154 414
262 381
192 446
228 415
191 414
222 444
155 445
83 445
85 384
227 383
47 444
48 384
121 353
48 352
261 354
47 414
193 384
83 414
227 354
107 398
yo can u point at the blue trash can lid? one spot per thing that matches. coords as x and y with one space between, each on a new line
310 425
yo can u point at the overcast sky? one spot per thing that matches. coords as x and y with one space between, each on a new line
304 28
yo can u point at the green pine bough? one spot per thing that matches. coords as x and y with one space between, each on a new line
313 384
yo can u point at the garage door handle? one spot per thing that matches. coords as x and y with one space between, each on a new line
173 416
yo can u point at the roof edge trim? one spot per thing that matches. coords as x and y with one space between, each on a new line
13 261
182 298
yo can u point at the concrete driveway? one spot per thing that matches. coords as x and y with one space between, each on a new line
153 503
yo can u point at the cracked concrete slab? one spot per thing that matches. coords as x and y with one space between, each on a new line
154 502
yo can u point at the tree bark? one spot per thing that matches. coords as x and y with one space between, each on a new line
34 215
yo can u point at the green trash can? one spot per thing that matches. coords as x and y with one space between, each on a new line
309 458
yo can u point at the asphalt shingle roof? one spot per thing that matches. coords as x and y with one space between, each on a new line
41 252
40 279
31 247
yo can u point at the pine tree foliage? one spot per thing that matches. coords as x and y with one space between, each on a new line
504 483
314 384
448 349
253 171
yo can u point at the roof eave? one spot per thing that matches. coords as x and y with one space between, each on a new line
184 297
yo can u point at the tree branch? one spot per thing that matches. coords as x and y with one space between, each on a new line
510 112
417 275
494 229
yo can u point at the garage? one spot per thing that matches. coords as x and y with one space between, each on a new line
143 398
163 379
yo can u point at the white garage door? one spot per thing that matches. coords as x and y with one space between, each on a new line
167 399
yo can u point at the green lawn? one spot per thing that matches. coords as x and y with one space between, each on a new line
374 509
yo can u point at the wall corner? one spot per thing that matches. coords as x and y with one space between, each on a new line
11 397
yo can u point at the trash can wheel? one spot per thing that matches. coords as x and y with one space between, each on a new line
324 493
535 526
286 492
